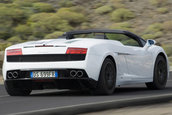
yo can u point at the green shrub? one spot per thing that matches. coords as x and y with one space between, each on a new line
152 35
97 5
5 31
39 17
20 11
86 25
156 27
18 15
158 34
15 39
153 31
6 22
79 9
122 15
168 49
32 38
117 3
71 16
66 3
15 14
148 36
167 26
54 35
159 3
162 10
6 1
22 3
45 23
4 45
121 26
43 7
103 9
23 30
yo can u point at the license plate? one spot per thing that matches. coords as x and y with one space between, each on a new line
44 74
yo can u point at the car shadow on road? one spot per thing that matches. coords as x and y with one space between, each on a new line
118 91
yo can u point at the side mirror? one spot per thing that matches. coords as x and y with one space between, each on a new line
149 43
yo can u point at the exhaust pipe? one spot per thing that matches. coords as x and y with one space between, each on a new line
73 73
15 74
10 75
79 73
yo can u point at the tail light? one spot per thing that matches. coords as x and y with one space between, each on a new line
14 52
76 51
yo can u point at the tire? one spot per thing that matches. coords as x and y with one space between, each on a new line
160 74
24 91
107 78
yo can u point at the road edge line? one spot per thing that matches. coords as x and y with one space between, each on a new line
99 106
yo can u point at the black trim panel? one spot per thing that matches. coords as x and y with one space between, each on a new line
77 84
62 74
46 57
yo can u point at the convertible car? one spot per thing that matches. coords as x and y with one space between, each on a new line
95 60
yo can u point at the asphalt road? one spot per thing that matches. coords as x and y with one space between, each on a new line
44 99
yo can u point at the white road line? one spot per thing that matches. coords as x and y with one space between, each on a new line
86 104
50 91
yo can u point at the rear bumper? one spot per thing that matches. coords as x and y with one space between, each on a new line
64 80
31 66
60 83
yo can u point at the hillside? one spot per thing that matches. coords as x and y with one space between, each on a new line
24 20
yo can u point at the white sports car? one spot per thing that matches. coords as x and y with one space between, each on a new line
98 60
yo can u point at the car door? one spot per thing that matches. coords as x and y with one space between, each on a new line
139 60
139 63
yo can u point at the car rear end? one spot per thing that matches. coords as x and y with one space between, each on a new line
47 66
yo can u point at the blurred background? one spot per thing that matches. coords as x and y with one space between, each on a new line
25 20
